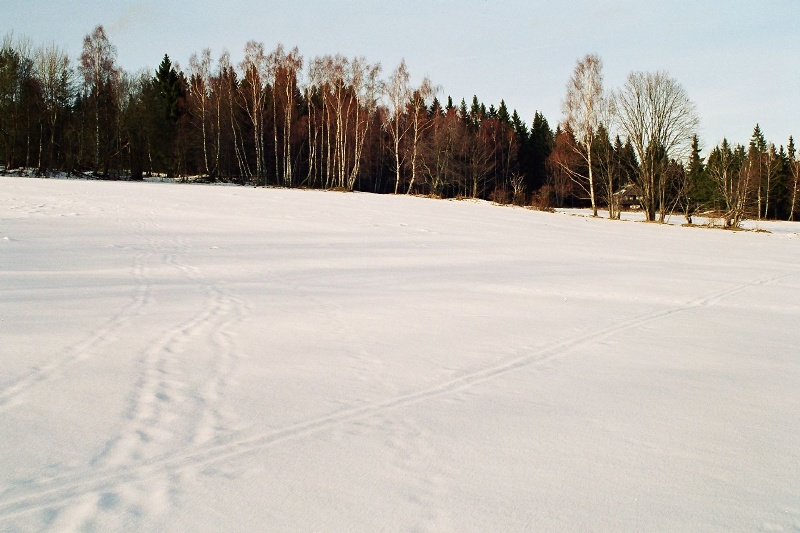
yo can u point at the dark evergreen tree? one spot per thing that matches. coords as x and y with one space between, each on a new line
169 90
9 105
534 160
781 183
436 108
476 115
699 191
463 113
502 113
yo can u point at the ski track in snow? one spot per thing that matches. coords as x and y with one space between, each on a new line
13 393
160 397
136 467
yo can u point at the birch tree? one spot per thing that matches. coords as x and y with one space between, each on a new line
229 102
794 175
418 111
199 91
285 68
734 180
398 93
255 74
100 73
51 65
366 87
582 109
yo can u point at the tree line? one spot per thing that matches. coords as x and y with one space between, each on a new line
334 122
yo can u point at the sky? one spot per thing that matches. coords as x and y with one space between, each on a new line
739 61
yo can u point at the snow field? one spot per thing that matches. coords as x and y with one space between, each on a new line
213 358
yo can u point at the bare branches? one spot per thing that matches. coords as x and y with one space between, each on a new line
255 69
659 120
582 109
199 91
398 92
100 74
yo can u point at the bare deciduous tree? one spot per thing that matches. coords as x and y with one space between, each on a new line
284 68
227 87
659 120
582 109
199 78
440 155
418 111
398 93
342 97
794 173
366 87
518 188
734 180
254 70
51 65
100 73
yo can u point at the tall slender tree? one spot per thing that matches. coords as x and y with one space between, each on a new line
10 92
794 173
200 95
419 123
98 65
582 110
52 66
255 75
397 124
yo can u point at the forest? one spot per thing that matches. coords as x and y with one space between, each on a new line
332 122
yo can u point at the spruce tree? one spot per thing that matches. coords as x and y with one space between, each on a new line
541 143
519 127
170 94
463 112
756 155
502 113
436 108
697 192
170 90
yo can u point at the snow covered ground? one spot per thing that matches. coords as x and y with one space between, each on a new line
208 358
771 226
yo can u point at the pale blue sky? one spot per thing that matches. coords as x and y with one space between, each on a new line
738 60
